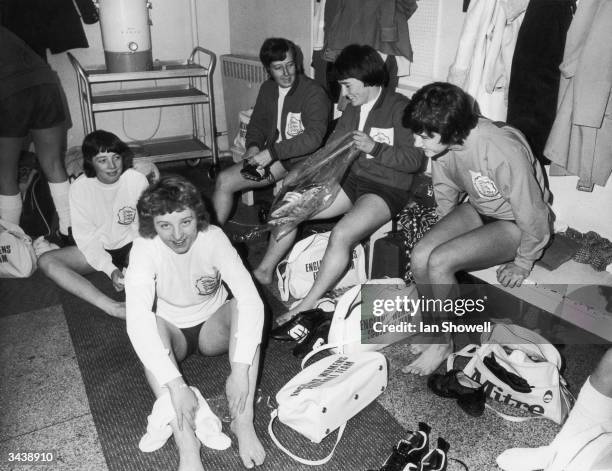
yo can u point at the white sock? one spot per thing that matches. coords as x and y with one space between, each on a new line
591 408
10 208
59 193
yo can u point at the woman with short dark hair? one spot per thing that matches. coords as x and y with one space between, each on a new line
375 188
506 219
104 222
289 122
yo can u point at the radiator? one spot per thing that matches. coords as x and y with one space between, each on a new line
242 76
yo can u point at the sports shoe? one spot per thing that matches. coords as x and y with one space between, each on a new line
436 459
407 454
300 326
456 384
313 340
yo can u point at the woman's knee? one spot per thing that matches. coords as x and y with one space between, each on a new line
419 257
47 261
342 237
227 180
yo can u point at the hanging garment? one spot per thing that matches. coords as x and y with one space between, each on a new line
382 24
535 70
580 140
47 24
484 57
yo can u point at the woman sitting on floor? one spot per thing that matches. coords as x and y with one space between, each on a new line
104 222
182 266
506 219
375 187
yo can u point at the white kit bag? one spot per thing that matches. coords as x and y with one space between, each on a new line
511 351
297 273
325 395
17 256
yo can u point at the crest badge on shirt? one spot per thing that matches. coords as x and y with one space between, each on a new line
484 186
207 284
293 126
126 215
382 135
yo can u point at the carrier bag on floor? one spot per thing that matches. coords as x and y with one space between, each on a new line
519 368
297 273
325 395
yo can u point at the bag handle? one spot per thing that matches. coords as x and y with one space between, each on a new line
313 352
274 415
467 352
283 280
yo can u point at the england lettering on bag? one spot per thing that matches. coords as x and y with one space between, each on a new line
334 370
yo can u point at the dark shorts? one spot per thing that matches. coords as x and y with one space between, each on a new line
39 107
355 186
192 336
121 256
489 219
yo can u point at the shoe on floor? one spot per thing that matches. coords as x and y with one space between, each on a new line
299 327
456 384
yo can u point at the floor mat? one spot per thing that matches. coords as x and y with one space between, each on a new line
120 401
27 294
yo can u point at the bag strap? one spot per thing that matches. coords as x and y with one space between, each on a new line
513 418
283 280
313 352
467 352
274 415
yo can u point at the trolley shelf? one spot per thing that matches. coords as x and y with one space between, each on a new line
177 83
150 97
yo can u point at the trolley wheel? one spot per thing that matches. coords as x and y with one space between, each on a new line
193 162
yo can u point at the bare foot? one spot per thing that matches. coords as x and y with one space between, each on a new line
265 277
189 449
116 309
249 447
417 348
429 360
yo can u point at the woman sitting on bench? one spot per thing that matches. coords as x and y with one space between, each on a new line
375 188
506 219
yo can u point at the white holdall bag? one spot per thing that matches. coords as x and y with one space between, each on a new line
519 368
325 395
17 256
297 273
356 329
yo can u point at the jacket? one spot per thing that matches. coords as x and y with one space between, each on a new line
580 140
304 123
394 159
382 24
495 168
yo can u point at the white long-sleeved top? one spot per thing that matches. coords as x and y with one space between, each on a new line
185 296
104 216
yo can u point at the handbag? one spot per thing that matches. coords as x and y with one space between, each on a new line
325 395
519 368
17 257
297 273
357 327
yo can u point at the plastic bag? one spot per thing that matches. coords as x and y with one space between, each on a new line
311 187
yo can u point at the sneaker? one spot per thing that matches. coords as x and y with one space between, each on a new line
409 452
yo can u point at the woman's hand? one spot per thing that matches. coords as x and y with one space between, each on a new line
184 401
237 388
118 279
511 275
262 159
363 142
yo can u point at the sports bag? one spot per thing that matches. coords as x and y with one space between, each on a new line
325 395
356 327
297 273
519 368
17 257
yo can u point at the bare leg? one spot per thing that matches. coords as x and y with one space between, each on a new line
368 214
231 181
457 242
48 143
66 267
10 198
186 441
277 249
217 334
